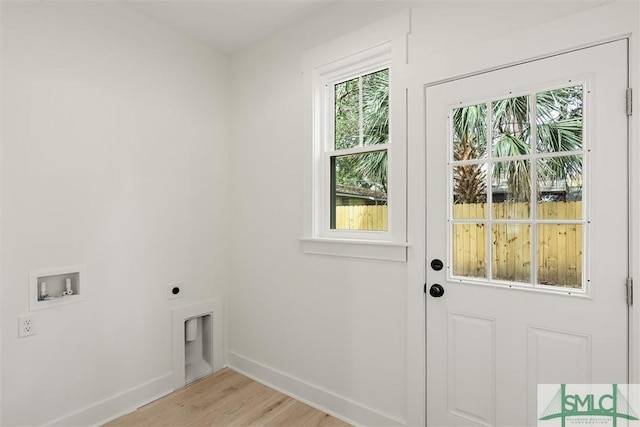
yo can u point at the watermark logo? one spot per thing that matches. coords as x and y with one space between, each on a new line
588 404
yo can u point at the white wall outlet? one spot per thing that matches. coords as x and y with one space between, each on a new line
26 325
175 290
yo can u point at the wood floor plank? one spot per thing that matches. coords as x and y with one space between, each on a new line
178 408
226 398
222 412
264 412
302 415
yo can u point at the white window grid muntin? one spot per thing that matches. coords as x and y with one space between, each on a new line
378 59
533 221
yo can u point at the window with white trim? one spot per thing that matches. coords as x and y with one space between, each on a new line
356 152
358 129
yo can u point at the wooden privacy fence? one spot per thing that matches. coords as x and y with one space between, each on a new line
558 246
362 217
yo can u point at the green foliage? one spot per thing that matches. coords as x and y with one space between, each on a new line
375 107
356 170
347 114
558 128
362 119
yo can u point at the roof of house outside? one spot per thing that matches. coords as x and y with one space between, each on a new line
359 192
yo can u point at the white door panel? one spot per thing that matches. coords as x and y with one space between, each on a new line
491 342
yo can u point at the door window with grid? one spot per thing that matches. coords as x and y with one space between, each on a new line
517 189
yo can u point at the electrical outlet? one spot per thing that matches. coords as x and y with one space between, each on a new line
175 290
26 325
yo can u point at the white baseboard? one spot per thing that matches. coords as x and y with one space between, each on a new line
333 404
118 405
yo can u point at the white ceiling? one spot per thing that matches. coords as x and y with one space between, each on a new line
228 26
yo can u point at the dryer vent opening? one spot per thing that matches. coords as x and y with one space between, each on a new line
198 333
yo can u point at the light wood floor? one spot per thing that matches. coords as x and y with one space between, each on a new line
226 398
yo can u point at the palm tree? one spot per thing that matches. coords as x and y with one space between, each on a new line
558 128
367 170
511 137
375 118
469 183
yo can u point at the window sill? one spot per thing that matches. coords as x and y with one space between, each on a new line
363 249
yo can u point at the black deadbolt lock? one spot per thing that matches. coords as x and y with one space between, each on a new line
436 291
436 264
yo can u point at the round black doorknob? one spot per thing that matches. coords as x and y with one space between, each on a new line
436 264
436 291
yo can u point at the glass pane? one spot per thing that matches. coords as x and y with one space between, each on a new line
560 188
559 119
359 191
469 191
469 126
560 255
511 189
347 114
511 245
511 126
375 107
469 250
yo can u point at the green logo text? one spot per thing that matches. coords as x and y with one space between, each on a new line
564 405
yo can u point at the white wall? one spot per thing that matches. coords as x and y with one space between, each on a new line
1 262
341 332
115 140
329 323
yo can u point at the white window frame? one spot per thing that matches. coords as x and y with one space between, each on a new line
370 61
373 48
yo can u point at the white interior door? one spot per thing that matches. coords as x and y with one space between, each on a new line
527 210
